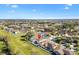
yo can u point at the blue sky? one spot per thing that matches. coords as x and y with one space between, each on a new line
39 11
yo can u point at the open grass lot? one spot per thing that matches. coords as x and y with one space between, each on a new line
19 47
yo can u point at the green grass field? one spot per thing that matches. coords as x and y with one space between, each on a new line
19 47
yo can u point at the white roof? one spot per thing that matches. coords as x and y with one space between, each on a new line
42 40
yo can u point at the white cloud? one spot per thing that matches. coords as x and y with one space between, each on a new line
34 10
11 11
11 6
69 4
14 6
66 8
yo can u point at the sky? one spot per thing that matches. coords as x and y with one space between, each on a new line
39 11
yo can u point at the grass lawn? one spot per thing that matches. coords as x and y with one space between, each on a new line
20 47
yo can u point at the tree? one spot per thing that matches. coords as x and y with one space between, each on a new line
67 45
58 40
27 36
